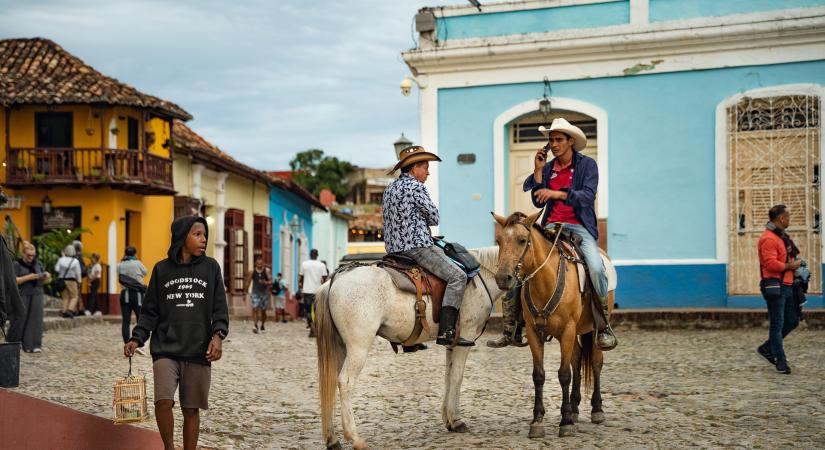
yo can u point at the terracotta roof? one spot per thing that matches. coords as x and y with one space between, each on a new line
191 143
286 183
38 71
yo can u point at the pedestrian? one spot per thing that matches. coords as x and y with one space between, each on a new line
777 263
95 274
11 305
312 275
30 278
278 291
84 273
130 274
261 279
68 269
186 315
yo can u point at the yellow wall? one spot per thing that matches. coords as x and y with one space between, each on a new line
99 207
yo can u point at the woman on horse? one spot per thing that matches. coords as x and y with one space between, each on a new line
408 215
567 187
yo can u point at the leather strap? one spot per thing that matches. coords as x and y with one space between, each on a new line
540 317
420 307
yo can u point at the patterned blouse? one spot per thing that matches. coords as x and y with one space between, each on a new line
408 213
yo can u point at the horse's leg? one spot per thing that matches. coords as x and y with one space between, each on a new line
596 413
567 344
354 362
448 367
576 395
537 350
456 376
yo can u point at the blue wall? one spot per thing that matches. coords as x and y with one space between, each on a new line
661 153
281 200
661 10
534 20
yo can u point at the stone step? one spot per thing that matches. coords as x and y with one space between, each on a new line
52 302
51 312
60 323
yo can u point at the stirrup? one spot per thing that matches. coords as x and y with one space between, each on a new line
611 341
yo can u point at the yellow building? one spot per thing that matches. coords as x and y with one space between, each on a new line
98 149
234 198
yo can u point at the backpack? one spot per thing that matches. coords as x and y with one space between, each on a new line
459 255
277 288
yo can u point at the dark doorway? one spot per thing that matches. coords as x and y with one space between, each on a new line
53 129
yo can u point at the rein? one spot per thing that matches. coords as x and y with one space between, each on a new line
524 280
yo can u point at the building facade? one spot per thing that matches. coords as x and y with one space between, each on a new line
95 150
234 199
701 115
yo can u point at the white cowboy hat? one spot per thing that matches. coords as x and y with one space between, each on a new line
563 126
412 155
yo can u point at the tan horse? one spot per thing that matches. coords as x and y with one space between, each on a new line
526 256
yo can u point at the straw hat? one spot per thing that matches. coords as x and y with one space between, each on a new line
563 126
412 155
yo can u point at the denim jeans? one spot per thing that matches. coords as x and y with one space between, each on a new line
434 260
592 257
130 301
783 319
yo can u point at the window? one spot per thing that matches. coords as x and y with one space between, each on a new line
235 257
188 206
262 239
132 129
528 131
53 129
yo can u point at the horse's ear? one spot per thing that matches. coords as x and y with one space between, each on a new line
499 219
531 219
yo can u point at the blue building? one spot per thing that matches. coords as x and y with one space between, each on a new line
291 207
701 115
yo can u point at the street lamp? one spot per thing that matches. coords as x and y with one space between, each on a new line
401 144
47 206
545 107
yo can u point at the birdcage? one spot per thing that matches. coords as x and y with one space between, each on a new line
130 398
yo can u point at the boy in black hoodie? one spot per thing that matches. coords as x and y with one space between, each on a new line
186 314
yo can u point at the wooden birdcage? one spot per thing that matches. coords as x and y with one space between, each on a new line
130 403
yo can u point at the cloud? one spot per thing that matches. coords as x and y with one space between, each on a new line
262 79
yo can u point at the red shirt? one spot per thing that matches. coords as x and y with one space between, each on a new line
562 178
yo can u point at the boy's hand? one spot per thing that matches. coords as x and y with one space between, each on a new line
129 348
214 352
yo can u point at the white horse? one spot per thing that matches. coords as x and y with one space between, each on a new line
363 303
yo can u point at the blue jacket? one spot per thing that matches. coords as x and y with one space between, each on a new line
582 193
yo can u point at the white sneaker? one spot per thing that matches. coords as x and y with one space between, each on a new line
37 350
98 314
87 313
140 351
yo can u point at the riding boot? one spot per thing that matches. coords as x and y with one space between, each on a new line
446 329
509 322
605 338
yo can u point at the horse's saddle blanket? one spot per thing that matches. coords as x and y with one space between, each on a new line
404 270
609 268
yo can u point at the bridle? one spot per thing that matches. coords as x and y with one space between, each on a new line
522 280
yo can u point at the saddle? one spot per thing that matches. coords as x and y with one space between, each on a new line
408 276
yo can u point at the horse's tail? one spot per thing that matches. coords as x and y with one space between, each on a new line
587 343
331 353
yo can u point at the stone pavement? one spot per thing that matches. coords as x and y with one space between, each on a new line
661 389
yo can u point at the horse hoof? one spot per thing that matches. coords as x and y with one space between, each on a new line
597 417
536 431
575 417
458 427
335 446
361 445
567 430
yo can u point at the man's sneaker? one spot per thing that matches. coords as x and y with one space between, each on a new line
263 329
37 350
98 314
782 367
255 329
766 354
87 313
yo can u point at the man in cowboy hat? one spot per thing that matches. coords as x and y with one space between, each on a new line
408 215
567 186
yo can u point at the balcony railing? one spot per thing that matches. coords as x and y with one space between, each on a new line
125 169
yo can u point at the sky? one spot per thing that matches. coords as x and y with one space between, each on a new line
262 79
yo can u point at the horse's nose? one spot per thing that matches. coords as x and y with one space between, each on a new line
504 280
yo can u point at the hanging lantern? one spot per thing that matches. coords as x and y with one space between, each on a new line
545 106
47 206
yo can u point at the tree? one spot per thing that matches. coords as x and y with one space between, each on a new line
315 172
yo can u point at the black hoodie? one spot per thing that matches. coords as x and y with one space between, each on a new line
185 303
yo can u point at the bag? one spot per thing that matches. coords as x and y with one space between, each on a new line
59 285
276 289
9 363
771 288
132 284
459 255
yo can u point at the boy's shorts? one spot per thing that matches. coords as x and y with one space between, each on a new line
261 302
279 302
194 380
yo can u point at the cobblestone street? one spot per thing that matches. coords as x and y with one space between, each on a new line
680 389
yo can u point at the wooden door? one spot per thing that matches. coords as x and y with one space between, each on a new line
773 150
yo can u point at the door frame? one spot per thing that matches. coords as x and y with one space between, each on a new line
501 142
722 206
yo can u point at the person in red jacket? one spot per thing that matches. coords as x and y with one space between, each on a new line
777 263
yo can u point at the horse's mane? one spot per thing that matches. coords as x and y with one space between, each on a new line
487 257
